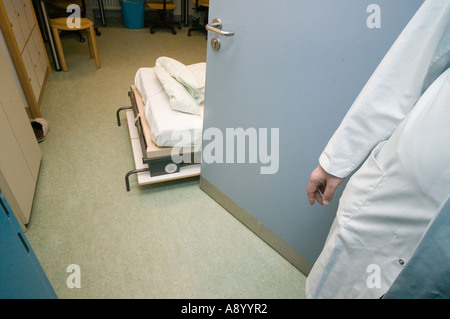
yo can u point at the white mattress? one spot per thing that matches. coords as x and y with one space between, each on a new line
168 127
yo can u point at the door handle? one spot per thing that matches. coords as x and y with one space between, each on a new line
216 27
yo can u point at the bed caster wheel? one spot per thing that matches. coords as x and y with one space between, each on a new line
171 168
174 32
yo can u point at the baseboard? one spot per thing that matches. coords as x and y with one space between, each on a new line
273 240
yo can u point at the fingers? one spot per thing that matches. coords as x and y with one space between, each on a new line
322 194
328 195
315 196
322 186
318 197
333 183
316 187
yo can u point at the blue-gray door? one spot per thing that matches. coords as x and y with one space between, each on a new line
291 68
21 274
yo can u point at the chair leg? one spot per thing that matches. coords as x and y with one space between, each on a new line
93 43
164 24
80 34
59 49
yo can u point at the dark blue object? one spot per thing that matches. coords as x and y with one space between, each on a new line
427 274
21 274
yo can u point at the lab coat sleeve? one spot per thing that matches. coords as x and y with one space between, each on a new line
418 56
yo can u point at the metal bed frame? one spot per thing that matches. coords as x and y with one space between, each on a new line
156 165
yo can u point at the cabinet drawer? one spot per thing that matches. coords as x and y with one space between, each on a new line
36 38
34 55
29 66
22 17
14 22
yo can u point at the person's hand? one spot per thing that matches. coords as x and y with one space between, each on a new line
321 186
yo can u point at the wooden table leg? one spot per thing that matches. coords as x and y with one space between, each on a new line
93 46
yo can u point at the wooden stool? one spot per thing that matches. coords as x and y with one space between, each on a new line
85 24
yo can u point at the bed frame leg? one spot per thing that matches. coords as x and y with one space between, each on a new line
121 109
135 171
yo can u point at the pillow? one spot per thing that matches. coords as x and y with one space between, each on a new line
179 98
184 75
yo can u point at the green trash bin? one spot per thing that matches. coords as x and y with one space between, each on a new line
133 13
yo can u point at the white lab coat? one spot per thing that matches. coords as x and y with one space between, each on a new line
399 128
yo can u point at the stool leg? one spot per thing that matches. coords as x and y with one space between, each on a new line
60 49
93 44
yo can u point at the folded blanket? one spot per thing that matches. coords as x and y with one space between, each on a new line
193 82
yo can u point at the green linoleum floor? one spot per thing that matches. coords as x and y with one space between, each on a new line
168 240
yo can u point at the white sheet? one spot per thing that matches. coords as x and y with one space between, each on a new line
169 128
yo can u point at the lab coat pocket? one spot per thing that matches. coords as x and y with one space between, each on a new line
360 187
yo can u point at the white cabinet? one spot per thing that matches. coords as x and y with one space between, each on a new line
20 154
21 31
